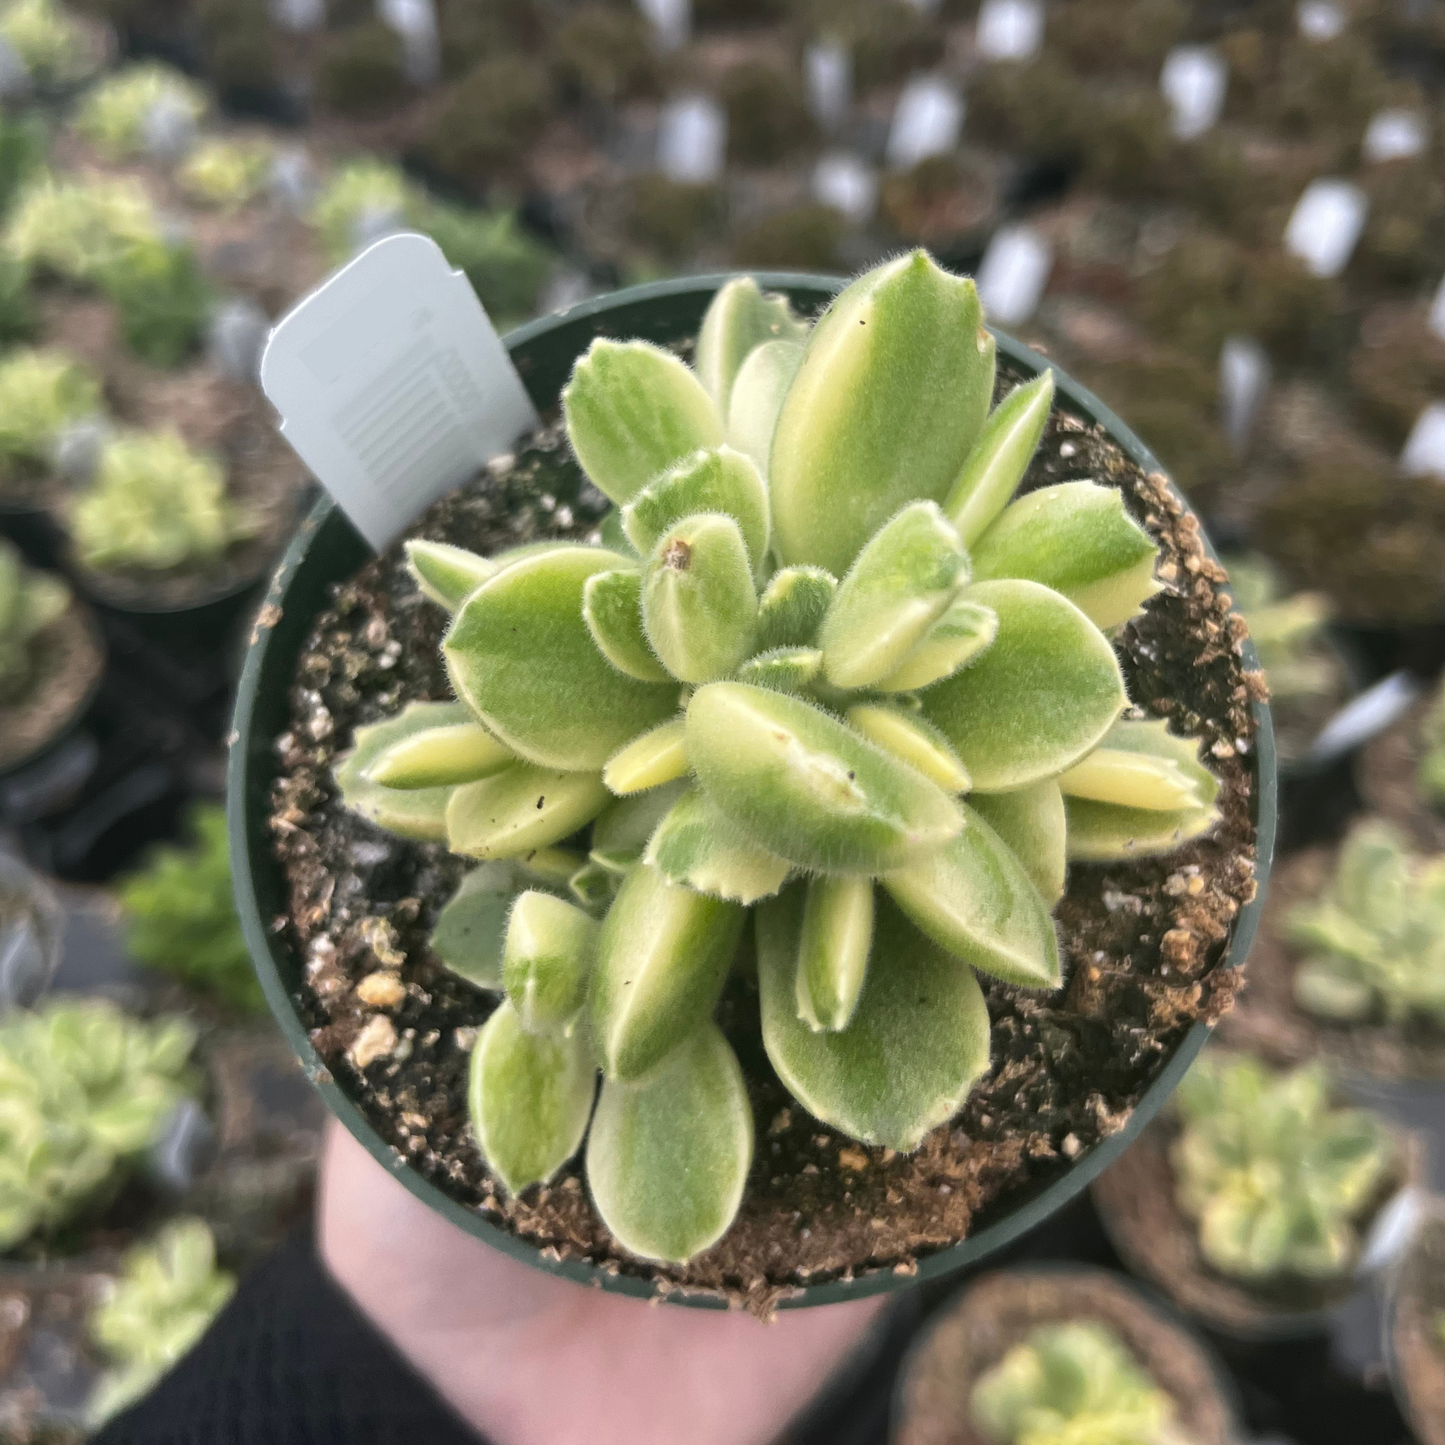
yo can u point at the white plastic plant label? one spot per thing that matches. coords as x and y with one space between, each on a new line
1013 273
1244 372
1194 80
671 21
1325 225
1395 135
828 69
1390 1233
848 184
392 384
926 121
1009 29
1424 453
1319 20
292 180
1364 716
692 138
415 22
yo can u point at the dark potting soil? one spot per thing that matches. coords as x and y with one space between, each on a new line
68 660
1416 1334
1136 1200
1002 1310
1266 1018
1143 940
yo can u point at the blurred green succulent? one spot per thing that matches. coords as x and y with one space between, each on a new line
115 111
1430 778
41 392
505 265
1288 631
162 298
168 1292
181 914
74 227
29 602
84 1090
1277 1178
154 504
1073 1384
1374 940
358 197
51 42
775 693
24 142
226 174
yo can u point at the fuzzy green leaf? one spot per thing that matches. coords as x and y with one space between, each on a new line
593 885
1143 765
894 385
963 631
620 834
698 601
1104 832
440 757
833 949
722 481
1078 539
976 899
739 319
915 1045
409 812
547 961
668 1157
793 606
901 584
757 398
662 959
612 535
446 574
530 1097
697 845
1043 694
657 757
471 929
912 740
1000 457
632 411
521 656
784 669
1033 824
806 787
522 808
612 609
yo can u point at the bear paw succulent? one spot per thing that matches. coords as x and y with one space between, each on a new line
825 669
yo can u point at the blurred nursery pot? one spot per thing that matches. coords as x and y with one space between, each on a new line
1415 1330
995 1319
300 973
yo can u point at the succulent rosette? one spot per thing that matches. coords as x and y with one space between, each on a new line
822 667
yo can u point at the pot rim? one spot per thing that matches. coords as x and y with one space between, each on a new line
251 855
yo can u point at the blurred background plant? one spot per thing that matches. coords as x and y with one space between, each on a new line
181 914
127 111
30 602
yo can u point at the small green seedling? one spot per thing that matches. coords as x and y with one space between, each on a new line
1374 941
1073 1383
30 602
168 1292
181 914
116 111
86 1089
154 504
1277 1178
831 683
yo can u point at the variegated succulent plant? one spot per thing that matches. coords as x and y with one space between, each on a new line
821 667
1277 1177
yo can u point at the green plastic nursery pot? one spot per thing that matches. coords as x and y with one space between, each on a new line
326 550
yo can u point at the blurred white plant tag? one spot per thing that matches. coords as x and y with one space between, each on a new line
1424 453
1013 273
692 139
301 16
1244 372
1437 312
1319 20
415 21
392 384
848 184
14 73
1395 135
828 66
926 121
1365 715
1325 225
671 21
1194 80
1009 29
1392 1230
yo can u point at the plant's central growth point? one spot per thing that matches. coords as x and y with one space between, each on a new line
826 668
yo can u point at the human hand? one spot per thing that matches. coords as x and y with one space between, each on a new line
531 1359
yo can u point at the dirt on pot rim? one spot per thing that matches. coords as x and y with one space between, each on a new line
1136 1201
1145 942
1417 1350
1001 1310
1267 1020
70 658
